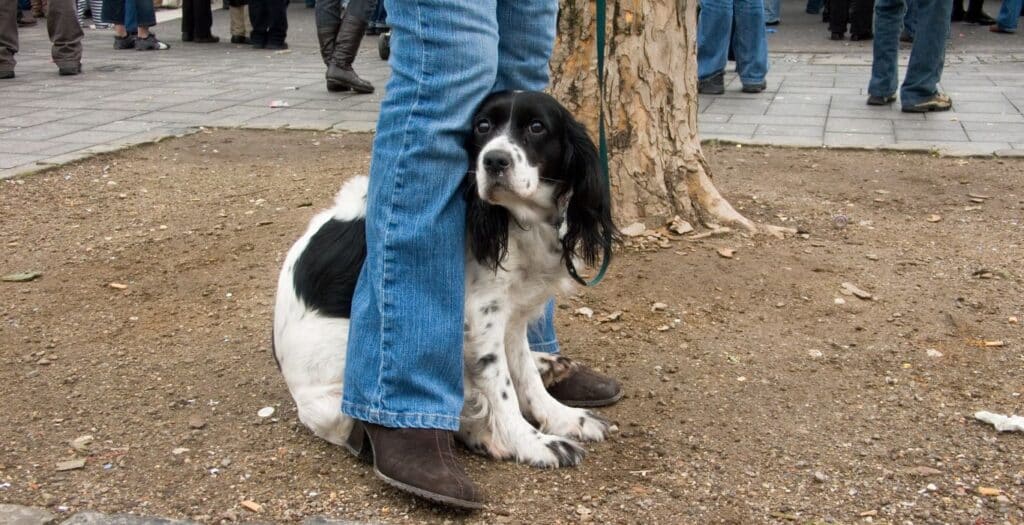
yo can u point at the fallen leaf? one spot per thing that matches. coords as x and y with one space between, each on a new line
989 491
934 218
117 286
726 252
21 277
72 464
252 506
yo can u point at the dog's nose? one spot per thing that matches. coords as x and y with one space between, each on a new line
497 161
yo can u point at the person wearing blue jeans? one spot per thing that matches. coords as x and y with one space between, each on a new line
1006 20
742 23
773 12
909 23
404 367
919 92
814 6
115 12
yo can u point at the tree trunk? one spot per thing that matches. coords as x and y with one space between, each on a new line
656 164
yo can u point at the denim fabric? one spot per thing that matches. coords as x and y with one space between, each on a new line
404 366
772 10
1008 14
114 11
926 56
909 24
749 40
541 332
814 6
131 19
24 5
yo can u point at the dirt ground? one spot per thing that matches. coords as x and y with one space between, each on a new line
773 398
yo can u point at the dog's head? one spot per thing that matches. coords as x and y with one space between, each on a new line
534 164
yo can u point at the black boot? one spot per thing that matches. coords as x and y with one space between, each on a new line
327 37
347 44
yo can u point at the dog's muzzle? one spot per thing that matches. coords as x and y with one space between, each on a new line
497 163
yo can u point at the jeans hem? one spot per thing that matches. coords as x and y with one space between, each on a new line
549 347
400 420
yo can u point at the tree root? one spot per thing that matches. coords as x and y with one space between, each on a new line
715 208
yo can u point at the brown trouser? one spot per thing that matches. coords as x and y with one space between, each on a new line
61 24
239 20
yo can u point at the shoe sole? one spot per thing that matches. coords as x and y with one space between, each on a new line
594 403
926 109
885 102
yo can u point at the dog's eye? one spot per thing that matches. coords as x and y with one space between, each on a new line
537 127
484 126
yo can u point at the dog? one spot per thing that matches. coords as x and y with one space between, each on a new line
536 206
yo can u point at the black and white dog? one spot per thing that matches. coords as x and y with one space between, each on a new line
536 205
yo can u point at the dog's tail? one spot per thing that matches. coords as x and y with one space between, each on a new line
350 202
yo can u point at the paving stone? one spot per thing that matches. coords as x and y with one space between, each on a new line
859 125
45 131
22 515
780 120
789 131
808 110
726 128
10 161
942 135
859 140
95 518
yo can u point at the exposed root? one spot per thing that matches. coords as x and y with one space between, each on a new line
716 209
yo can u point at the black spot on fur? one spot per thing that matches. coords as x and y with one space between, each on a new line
504 395
490 308
486 360
488 326
583 420
508 382
273 350
326 272
567 454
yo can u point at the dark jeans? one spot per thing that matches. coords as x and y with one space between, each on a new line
926 56
856 13
269 19
114 12
196 18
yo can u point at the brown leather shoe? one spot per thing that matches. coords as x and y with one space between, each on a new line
584 388
419 461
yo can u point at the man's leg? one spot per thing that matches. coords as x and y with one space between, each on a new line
750 42
772 11
928 55
1009 12
404 366
888 17
714 29
8 38
66 35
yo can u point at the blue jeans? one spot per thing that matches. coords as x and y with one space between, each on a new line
772 10
1008 15
909 24
814 6
749 40
404 366
926 56
116 12
24 5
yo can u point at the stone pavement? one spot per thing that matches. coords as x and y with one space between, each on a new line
815 97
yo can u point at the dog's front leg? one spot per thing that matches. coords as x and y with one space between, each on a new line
492 422
553 416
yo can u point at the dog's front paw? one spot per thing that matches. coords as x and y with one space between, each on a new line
579 424
546 451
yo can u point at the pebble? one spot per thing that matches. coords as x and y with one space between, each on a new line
196 422
933 353
820 476
265 412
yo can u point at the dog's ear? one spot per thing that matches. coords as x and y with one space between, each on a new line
486 226
589 215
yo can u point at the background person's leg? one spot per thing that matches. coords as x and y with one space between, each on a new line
66 35
8 37
928 53
404 366
713 35
888 18
541 333
750 42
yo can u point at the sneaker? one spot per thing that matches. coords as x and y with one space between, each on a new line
276 45
996 28
938 102
124 42
150 43
211 39
755 88
69 70
239 39
875 100
713 85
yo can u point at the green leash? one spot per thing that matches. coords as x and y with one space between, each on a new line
602 145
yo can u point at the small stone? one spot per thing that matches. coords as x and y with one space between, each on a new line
726 253
21 277
196 422
81 443
839 300
226 462
117 286
815 353
20 514
1002 498
585 312
71 464
265 412
44 361
658 307
252 506
933 352
820 476
1012 320
989 491
934 218
931 487
871 256
634 230
179 451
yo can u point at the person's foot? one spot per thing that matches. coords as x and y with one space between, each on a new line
187 37
837 36
26 19
996 28
334 86
276 45
938 102
755 87
982 19
68 70
877 100
419 461
348 77
6 74
150 43
712 85
861 36
905 36
579 386
957 16
772 23
124 42
209 39
239 39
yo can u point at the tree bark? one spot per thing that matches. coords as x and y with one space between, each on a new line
656 164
